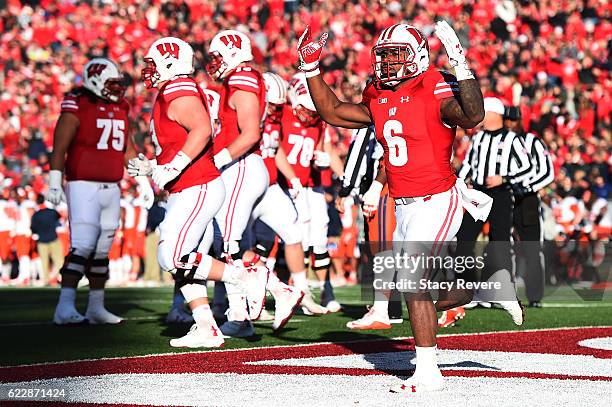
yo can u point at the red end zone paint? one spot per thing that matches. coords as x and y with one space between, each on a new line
559 341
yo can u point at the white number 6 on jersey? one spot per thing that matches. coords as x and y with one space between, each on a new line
398 150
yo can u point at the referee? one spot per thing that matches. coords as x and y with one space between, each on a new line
496 160
526 219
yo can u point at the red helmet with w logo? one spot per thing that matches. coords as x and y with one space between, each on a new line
227 50
166 59
102 77
401 52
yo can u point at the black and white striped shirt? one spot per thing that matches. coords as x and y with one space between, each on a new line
542 171
361 163
500 152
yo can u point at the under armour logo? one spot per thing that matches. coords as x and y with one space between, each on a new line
233 39
392 111
405 99
382 101
168 48
95 69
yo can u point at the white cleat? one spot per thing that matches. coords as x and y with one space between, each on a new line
101 317
179 316
370 321
515 309
200 338
419 385
266 315
333 306
253 281
287 301
310 307
68 316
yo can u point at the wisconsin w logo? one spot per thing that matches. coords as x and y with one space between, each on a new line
233 38
95 69
168 48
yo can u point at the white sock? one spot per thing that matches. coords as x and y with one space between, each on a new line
300 281
202 315
381 306
237 303
96 300
426 361
67 297
274 284
231 274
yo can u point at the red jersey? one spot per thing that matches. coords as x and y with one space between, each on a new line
242 78
97 150
417 144
270 141
169 137
299 143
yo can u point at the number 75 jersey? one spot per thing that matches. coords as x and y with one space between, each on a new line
418 145
96 151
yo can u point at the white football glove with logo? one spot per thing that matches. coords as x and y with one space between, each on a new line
222 158
139 166
146 191
56 193
322 159
369 204
162 174
295 188
309 52
454 50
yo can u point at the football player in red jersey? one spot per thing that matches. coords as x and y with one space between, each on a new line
414 109
92 129
236 153
303 139
181 131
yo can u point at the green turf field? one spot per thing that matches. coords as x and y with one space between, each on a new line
27 335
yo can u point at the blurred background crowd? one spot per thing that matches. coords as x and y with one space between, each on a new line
551 58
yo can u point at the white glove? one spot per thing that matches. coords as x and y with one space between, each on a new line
295 188
162 174
454 50
322 159
139 166
56 193
222 158
146 192
370 199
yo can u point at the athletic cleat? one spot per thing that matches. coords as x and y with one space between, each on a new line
310 307
179 316
237 329
471 305
333 306
419 385
265 316
449 317
199 338
68 317
101 317
515 309
372 320
287 301
254 281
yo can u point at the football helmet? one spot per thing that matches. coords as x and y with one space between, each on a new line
401 52
166 59
227 50
301 102
276 95
101 76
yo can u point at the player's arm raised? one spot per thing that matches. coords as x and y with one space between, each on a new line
65 131
467 110
332 110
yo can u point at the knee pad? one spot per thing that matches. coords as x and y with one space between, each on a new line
194 290
75 264
321 258
98 268
263 249
194 270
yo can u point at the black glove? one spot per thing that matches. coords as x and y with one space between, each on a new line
519 191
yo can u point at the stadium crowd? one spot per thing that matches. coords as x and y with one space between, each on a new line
551 58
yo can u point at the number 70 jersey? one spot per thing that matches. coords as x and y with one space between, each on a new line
418 145
97 150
